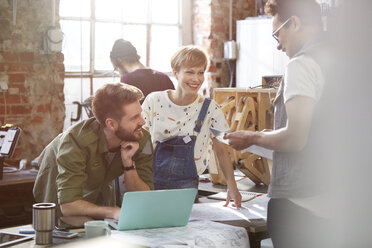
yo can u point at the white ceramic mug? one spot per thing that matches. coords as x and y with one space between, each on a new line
96 228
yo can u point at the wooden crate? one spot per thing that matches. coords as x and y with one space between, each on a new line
248 109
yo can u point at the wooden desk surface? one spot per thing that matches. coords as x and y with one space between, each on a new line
256 228
19 177
16 198
31 243
252 225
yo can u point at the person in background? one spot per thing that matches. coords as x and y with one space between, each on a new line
179 121
297 27
125 60
78 167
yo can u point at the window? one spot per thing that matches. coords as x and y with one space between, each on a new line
155 27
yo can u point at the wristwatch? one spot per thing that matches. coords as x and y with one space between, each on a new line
133 167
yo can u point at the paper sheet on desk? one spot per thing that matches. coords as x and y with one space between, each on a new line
197 233
253 209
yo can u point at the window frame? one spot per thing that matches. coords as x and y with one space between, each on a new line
185 31
184 26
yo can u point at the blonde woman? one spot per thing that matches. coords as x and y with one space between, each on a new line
179 122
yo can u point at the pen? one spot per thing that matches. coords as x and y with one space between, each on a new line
27 231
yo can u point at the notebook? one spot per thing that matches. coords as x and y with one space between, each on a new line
153 209
246 196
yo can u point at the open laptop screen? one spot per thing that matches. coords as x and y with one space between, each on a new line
153 209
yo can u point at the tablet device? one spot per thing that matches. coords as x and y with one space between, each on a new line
8 140
11 238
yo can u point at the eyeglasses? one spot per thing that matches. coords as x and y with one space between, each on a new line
275 34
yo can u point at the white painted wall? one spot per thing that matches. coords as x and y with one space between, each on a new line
257 53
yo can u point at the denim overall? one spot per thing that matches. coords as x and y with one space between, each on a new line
174 165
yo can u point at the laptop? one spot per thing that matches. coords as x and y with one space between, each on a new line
153 209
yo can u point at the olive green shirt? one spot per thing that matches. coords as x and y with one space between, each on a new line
76 166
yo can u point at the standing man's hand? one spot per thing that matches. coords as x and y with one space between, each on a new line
241 139
128 149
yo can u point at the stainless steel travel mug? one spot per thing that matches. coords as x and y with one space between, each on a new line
43 221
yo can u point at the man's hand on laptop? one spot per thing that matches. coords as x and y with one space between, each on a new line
116 213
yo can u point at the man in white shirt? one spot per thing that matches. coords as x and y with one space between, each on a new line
297 27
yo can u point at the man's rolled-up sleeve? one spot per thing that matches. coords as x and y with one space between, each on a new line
71 163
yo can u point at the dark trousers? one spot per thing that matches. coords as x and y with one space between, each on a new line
291 226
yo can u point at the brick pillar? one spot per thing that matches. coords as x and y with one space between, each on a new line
211 30
34 100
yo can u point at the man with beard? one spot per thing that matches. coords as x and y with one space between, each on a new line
293 190
78 167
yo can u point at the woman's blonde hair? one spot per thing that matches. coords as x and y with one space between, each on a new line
189 56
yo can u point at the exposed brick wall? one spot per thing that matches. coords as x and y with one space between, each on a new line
34 100
211 29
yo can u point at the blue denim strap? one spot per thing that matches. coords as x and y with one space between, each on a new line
117 192
202 114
